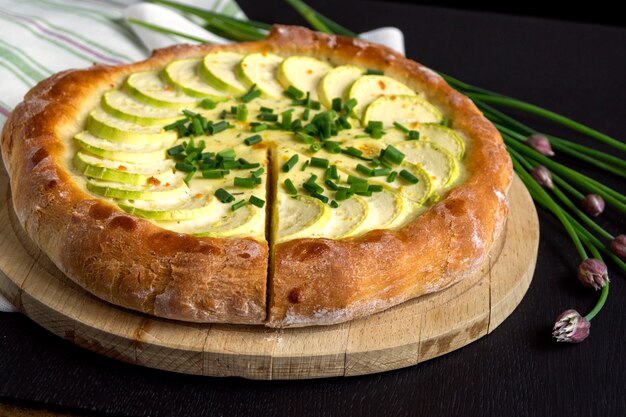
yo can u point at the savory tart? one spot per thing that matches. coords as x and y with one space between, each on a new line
304 179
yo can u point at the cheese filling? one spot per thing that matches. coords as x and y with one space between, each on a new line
188 148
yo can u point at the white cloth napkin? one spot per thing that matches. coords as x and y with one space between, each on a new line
41 37
388 36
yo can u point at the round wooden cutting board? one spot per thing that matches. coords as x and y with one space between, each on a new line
405 335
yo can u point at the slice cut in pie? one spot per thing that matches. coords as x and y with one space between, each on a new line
304 179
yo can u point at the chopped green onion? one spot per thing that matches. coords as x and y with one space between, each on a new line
312 187
256 201
250 166
242 113
325 129
239 204
305 165
310 129
213 174
175 125
332 147
190 114
251 94
375 129
343 122
175 150
342 194
182 131
231 164
359 187
268 117
308 139
401 128
252 140
219 127
311 181
224 196
315 147
349 106
375 188
290 163
196 126
189 146
306 113
354 180
331 173
320 197
352 151
208 164
314 105
245 182
204 123
296 125
445 121
286 119
414 135
185 167
227 153
266 110
364 170
208 104
371 71
319 162
376 133
258 172
334 204
291 189
191 157
294 93
331 185
336 104
258 127
392 177
380 172
408 177
392 155
374 124
190 175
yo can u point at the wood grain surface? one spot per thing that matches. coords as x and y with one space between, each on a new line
27 410
402 336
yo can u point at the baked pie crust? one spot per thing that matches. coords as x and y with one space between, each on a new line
133 263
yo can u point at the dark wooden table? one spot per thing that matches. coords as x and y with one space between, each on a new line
576 69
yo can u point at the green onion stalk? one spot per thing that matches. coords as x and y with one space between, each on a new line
574 198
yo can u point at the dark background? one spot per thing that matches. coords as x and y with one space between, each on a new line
518 370
602 12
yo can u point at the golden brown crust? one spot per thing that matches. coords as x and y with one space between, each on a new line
135 264
324 281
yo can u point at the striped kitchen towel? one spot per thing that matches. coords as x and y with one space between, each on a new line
41 37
